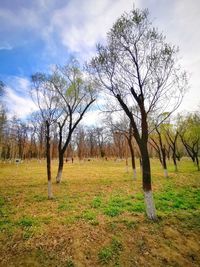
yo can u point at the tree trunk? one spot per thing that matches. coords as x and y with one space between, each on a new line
48 155
164 162
60 167
197 162
132 158
140 160
175 164
127 164
146 173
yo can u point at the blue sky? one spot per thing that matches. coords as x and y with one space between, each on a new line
35 34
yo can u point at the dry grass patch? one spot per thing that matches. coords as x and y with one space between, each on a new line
97 216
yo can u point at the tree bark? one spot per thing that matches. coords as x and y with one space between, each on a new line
60 167
175 163
142 143
48 155
163 153
146 179
197 162
164 162
132 158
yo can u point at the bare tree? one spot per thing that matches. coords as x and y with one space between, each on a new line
122 127
44 95
3 117
37 125
81 142
76 94
172 138
157 141
189 131
92 142
139 69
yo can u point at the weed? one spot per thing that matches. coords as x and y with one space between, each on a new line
69 219
89 215
105 255
112 226
27 222
112 211
110 252
116 245
69 263
96 202
129 224
5 224
118 205
27 234
139 196
115 206
181 199
137 207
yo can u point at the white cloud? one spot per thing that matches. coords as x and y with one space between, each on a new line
23 83
92 118
17 98
23 18
180 21
79 25
18 105
82 24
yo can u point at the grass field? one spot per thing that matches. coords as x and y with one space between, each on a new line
97 216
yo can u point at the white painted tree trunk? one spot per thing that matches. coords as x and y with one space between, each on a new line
59 176
149 203
50 196
166 173
134 174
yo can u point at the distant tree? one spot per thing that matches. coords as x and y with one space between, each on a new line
101 139
21 133
189 131
122 127
92 142
33 142
139 69
37 126
157 140
3 117
81 142
172 140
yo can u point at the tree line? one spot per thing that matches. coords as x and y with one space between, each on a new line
25 140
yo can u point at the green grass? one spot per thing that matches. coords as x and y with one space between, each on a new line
96 202
97 208
27 222
110 252
183 198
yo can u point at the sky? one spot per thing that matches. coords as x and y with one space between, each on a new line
36 34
